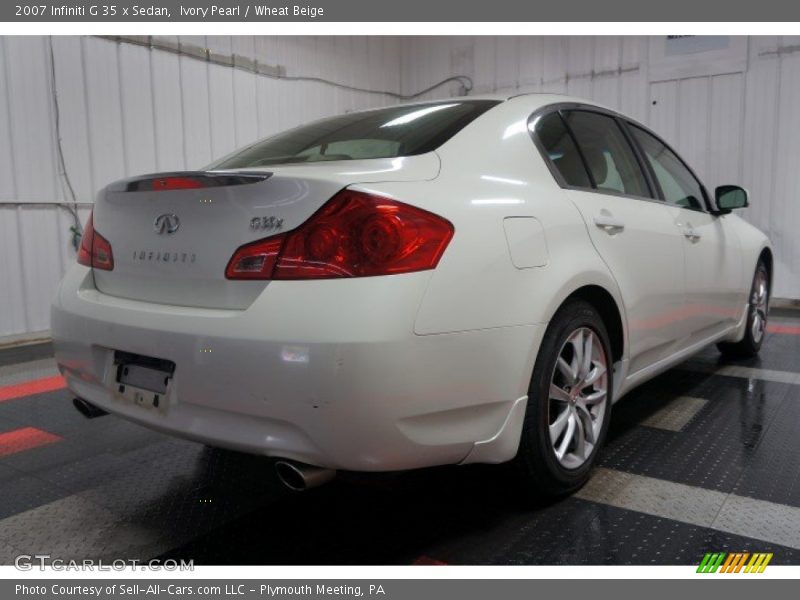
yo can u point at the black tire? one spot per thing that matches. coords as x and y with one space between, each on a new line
539 469
750 344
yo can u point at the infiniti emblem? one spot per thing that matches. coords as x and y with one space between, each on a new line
166 223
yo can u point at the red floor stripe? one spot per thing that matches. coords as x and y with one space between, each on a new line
28 388
791 330
23 439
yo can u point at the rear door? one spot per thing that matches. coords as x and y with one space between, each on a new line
629 227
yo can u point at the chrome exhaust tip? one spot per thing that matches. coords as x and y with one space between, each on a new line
299 477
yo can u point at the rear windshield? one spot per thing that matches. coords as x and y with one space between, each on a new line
382 133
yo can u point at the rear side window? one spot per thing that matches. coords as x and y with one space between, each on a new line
610 158
677 183
381 133
556 141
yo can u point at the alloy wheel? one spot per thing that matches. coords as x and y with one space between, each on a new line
759 306
578 398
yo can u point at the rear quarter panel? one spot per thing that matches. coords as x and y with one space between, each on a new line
492 171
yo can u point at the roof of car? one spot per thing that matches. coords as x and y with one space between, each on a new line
534 98
531 99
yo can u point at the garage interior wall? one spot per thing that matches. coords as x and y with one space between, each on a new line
126 109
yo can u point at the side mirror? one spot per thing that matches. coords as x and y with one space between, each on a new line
730 197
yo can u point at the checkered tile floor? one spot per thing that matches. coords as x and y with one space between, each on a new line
704 458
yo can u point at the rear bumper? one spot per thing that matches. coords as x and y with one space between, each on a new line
328 373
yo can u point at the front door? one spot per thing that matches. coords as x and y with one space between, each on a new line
713 273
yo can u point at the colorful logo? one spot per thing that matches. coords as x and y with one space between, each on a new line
734 562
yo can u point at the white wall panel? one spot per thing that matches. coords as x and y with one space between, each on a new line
138 121
104 109
68 53
663 110
761 131
483 61
35 174
221 105
554 65
8 188
692 121
267 107
245 101
168 111
12 290
531 63
195 109
579 66
785 216
726 128
634 97
507 63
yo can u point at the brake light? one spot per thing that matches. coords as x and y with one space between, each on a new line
176 183
355 234
95 251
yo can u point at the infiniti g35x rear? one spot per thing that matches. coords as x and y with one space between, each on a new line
427 284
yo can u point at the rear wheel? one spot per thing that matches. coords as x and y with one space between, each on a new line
569 402
758 310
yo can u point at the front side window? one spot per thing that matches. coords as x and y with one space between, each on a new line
677 183
608 155
381 133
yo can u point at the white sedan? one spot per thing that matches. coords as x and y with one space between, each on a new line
462 281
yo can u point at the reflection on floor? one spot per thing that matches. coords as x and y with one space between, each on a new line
704 458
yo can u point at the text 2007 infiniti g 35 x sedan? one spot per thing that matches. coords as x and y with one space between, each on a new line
470 280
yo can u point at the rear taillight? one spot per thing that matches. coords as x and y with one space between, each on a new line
354 234
95 251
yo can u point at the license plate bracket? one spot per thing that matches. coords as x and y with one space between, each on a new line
143 380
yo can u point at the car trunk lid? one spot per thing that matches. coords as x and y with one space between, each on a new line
172 234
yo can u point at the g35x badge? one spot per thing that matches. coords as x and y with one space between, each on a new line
265 223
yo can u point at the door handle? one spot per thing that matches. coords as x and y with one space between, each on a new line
691 234
609 224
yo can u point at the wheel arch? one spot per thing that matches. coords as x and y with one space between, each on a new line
608 309
769 261
599 290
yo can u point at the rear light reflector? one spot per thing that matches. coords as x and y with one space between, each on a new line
355 234
95 251
256 260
